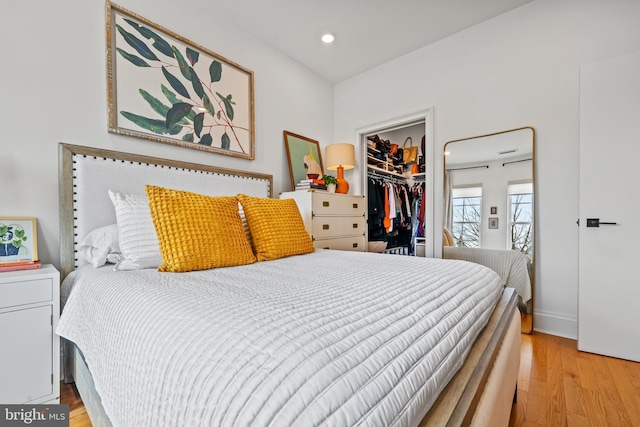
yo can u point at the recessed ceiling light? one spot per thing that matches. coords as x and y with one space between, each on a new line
328 38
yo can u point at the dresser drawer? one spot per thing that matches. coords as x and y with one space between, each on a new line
25 292
337 205
335 226
354 243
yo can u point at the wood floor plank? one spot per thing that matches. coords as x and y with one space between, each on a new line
595 410
633 373
539 358
524 374
537 409
557 410
624 386
616 411
571 378
526 346
575 420
586 373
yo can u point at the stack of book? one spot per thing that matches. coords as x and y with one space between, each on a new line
19 265
311 184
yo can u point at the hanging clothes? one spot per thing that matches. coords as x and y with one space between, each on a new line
390 212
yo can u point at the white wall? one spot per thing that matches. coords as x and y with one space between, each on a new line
518 69
494 181
53 89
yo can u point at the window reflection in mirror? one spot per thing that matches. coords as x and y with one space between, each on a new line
489 207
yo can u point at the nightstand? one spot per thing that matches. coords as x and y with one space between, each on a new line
334 221
30 349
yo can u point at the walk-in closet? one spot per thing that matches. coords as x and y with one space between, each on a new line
398 186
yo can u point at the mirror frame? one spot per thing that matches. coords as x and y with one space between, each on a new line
526 318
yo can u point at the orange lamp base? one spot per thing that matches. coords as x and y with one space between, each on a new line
343 185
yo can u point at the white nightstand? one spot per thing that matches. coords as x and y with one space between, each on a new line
29 347
334 221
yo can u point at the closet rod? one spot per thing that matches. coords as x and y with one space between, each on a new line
383 176
470 167
517 161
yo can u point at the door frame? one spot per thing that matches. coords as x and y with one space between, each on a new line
433 246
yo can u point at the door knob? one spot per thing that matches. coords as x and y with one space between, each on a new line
595 222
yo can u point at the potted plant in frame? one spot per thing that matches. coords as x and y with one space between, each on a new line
331 182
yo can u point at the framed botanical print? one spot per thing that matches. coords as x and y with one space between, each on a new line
165 88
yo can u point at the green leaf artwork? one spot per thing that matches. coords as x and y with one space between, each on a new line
183 104
215 71
226 141
193 56
135 60
228 105
175 83
206 139
137 44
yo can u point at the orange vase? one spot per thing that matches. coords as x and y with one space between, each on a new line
343 185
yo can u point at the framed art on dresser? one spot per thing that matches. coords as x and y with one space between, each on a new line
18 240
305 159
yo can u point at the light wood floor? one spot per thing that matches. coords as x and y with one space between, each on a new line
557 386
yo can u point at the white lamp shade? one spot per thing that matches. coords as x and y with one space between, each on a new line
340 155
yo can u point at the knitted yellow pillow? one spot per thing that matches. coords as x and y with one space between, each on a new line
277 228
197 232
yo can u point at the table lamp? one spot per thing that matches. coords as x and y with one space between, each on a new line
340 157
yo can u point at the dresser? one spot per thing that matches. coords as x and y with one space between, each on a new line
334 221
29 349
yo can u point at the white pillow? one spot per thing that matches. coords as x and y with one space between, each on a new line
101 246
138 239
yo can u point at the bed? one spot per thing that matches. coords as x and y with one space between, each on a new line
278 342
512 266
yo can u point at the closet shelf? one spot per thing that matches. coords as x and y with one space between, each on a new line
377 169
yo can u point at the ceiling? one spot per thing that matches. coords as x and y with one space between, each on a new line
368 32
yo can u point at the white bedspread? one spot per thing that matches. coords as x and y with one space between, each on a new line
511 266
330 338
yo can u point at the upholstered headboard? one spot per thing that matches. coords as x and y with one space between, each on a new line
86 174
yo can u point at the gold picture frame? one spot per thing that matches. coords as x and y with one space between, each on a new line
18 240
165 88
304 157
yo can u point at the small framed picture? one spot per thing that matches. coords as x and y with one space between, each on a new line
494 210
493 223
18 240
304 157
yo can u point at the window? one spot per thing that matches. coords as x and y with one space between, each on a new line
467 203
521 217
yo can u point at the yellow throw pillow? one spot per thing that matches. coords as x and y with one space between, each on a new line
197 232
276 227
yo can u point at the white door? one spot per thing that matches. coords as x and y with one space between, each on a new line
609 258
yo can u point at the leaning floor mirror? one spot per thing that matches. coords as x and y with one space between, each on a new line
489 208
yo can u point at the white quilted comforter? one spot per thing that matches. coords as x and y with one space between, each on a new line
331 338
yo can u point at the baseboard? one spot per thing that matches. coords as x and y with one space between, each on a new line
555 324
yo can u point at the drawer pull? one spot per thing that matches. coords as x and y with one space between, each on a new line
325 204
355 225
355 245
327 247
325 226
355 206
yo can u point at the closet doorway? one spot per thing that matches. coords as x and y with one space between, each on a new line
410 183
